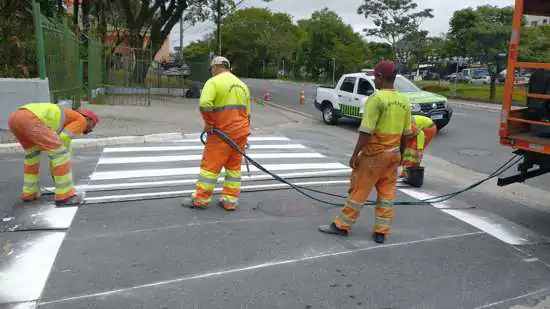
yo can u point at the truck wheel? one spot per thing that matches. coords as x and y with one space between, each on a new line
328 114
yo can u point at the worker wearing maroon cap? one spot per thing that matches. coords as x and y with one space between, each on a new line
383 133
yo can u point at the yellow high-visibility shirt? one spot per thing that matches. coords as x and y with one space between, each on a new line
387 116
225 104
422 122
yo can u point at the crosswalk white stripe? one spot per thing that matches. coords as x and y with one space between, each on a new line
169 183
121 174
153 159
171 194
177 148
250 139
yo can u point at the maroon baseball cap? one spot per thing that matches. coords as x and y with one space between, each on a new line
385 68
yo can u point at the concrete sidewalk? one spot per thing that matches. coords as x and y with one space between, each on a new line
165 118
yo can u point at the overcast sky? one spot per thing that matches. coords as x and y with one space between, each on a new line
347 9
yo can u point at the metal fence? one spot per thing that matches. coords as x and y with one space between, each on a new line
58 51
84 68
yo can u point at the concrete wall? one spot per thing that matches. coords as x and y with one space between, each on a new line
15 92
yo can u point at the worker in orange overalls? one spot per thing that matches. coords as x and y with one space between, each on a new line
224 105
424 130
47 127
383 133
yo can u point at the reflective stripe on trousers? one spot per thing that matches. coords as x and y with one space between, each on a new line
378 171
31 173
218 155
413 153
60 164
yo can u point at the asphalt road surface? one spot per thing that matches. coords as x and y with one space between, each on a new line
125 249
469 140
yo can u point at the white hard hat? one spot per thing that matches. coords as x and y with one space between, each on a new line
219 60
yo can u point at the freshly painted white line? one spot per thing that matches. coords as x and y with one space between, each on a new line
196 169
500 302
26 305
55 216
250 139
499 227
254 267
198 157
27 265
494 225
178 148
172 194
424 196
171 183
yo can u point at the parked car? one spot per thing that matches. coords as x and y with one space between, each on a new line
347 98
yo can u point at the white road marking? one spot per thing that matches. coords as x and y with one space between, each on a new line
441 205
171 194
198 157
250 139
494 225
165 183
254 267
26 272
199 147
195 170
500 302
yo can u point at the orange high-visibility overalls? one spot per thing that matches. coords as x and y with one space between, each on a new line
46 127
387 116
224 104
424 131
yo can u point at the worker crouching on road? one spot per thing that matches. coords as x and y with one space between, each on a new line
47 127
383 133
224 105
424 131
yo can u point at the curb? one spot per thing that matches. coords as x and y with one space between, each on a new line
110 141
497 108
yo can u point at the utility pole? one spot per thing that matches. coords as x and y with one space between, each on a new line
180 56
219 25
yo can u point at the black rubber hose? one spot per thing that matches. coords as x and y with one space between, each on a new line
300 189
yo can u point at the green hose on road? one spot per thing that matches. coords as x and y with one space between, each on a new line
437 199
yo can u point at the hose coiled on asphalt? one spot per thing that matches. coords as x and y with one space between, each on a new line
437 199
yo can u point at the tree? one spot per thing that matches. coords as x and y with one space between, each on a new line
154 19
535 44
256 37
328 38
482 34
195 49
380 51
17 38
393 20
412 48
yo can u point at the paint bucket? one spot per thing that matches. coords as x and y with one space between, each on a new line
415 176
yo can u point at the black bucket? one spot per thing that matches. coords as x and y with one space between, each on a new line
415 176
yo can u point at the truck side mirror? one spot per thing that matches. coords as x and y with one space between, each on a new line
370 92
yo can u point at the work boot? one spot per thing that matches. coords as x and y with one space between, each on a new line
190 203
71 201
227 206
333 229
378 237
32 199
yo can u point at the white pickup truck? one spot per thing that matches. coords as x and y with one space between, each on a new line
352 90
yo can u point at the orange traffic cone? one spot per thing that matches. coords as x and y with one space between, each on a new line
267 96
302 97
